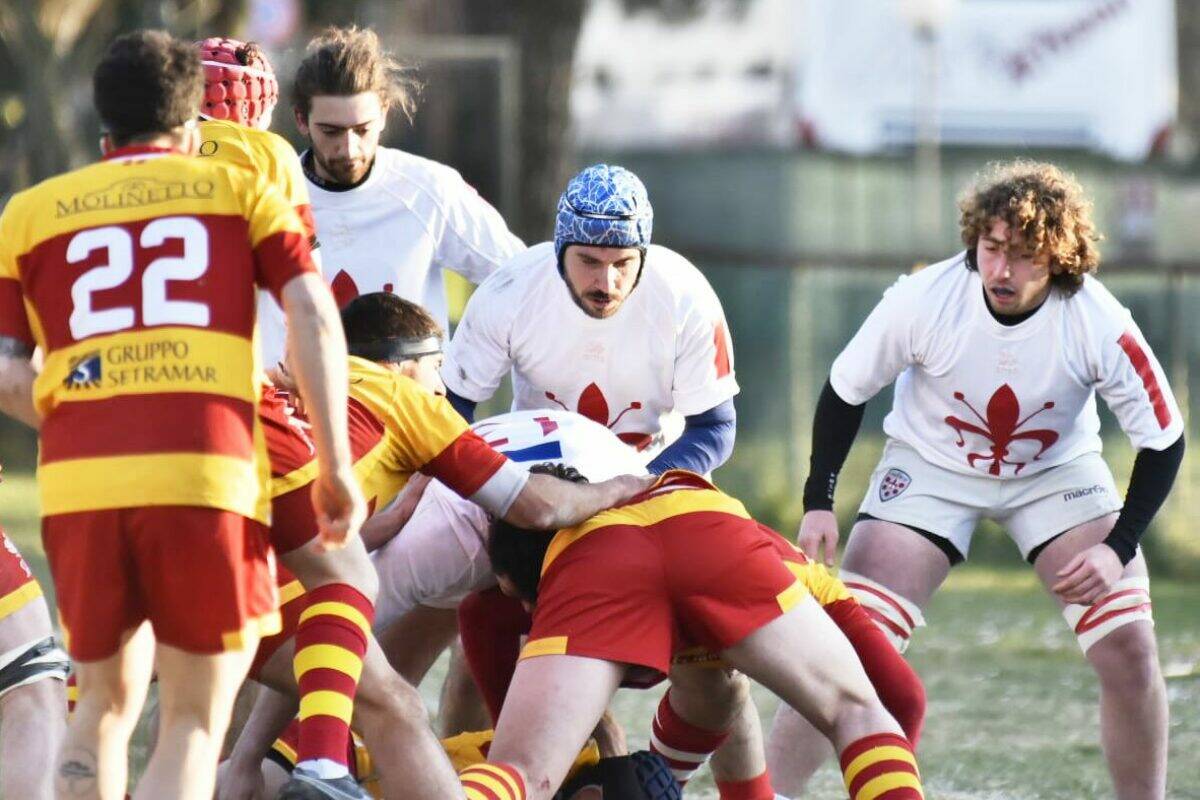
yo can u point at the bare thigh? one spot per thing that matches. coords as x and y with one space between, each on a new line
552 707
897 557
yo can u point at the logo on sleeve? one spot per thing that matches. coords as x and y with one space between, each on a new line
894 482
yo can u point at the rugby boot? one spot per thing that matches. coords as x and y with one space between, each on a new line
306 785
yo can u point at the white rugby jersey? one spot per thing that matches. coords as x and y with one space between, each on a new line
665 352
395 232
983 398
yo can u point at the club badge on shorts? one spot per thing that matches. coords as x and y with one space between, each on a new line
894 482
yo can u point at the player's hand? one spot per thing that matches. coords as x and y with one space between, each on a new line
236 781
1089 575
629 486
340 508
402 510
819 532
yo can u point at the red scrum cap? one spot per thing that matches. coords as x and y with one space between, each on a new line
239 84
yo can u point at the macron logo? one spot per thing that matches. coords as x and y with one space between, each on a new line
1075 494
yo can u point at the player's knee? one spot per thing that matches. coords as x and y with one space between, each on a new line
1127 659
389 701
895 615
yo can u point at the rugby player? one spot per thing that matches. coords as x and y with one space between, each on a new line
617 599
136 277
388 220
32 672
603 323
998 354
399 423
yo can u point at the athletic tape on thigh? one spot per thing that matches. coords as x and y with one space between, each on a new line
895 615
33 661
1128 602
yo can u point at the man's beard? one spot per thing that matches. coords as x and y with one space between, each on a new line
345 173
580 300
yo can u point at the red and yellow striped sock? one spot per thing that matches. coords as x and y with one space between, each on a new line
331 641
488 781
72 693
881 767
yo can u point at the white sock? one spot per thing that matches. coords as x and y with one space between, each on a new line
324 768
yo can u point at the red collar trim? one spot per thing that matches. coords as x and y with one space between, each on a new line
138 150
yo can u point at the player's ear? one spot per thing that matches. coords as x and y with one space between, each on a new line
301 121
106 144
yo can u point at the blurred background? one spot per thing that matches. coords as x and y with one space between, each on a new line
802 152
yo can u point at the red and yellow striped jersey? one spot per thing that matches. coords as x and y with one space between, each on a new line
396 428
263 153
136 276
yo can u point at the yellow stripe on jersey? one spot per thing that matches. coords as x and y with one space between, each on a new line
790 596
94 484
647 512
114 192
549 646
820 581
19 598
152 361
254 630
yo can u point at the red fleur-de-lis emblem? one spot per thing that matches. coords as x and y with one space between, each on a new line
1001 427
593 405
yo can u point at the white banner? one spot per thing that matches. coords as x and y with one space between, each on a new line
1098 74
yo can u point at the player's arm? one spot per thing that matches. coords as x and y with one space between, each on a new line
877 354
705 444
16 381
476 472
271 713
317 344
478 355
16 340
1135 388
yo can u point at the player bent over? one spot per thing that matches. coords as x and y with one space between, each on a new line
998 354
680 565
137 278
399 423
32 672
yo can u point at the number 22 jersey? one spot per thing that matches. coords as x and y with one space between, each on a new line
136 276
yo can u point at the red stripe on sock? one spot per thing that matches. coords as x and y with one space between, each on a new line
753 789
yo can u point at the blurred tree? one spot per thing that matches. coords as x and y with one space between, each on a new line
53 46
1188 44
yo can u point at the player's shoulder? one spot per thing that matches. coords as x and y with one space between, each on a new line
672 278
950 276
401 168
1095 307
520 276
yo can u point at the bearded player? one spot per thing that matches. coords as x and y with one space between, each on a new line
998 354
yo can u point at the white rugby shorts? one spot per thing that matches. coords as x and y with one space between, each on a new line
908 490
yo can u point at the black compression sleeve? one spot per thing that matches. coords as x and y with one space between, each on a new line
835 425
1153 475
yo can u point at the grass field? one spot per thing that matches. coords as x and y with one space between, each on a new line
1012 712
